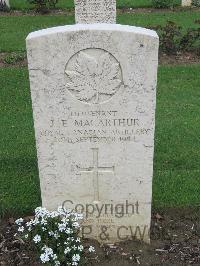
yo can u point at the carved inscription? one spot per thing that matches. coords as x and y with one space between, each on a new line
95 11
96 127
96 170
93 76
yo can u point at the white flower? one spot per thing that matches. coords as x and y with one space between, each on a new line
44 229
54 256
91 249
75 217
61 227
79 216
37 238
57 263
76 257
74 247
51 233
61 210
43 222
35 221
19 221
29 224
29 229
21 229
41 212
48 251
67 250
56 235
68 231
78 240
53 214
80 248
76 225
44 258
65 220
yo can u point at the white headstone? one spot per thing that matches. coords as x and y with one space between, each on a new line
95 11
93 92
5 2
186 2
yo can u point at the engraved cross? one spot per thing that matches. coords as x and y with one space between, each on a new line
95 170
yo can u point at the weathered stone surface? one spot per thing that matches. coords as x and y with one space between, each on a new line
93 91
5 2
186 2
95 11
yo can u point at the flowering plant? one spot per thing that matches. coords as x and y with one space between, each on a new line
55 235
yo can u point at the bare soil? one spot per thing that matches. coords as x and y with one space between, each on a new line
175 240
182 58
18 62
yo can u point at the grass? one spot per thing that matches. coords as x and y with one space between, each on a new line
19 185
12 39
23 4
14 29
185 19
177 152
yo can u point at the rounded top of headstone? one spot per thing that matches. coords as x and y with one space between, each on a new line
95 27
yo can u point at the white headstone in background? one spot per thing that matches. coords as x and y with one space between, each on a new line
95 11
93 92
186 2
5 2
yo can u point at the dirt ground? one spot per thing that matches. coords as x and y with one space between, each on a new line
182 58
175 240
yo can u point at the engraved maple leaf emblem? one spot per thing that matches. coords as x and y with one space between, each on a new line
92 77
